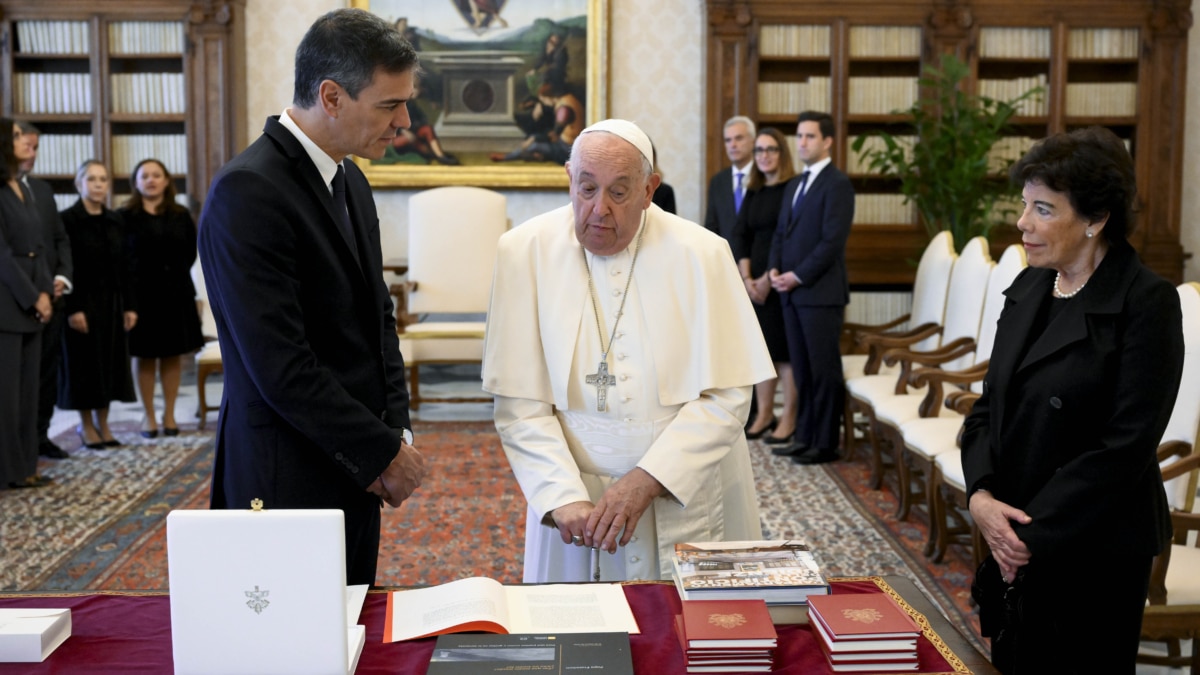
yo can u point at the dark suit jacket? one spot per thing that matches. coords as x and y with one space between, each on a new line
24 273
1067 429
719 214
812 242
314 392
58 245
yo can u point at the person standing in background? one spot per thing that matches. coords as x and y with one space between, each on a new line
58 257
752 238
808 270
727 187
163 237
314 412
25 307
100 313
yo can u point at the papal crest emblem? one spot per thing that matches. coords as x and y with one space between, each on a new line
257 600
863 615
726 621
481 15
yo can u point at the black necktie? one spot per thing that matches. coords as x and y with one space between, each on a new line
799 194
343 211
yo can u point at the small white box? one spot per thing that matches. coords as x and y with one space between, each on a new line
29 635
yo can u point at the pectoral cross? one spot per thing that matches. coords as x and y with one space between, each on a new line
603 381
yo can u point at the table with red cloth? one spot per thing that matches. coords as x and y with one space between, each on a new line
130 632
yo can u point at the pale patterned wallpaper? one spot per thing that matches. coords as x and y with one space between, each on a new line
656 79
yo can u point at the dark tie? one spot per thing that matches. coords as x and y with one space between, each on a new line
799 199
342 210
738 193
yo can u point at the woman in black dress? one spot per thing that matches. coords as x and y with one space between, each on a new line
163 237
25 289
751 245
100 310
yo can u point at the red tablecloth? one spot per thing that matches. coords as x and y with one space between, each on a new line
131 633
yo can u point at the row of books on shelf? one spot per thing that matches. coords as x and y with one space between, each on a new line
52 93
881 95
148 93
1102 99
855 164
52 37
789 98
864 632
883 209
885 41
61 154
170 149
1014 43
145 37
795 41
1007 90
1103 43
1008 150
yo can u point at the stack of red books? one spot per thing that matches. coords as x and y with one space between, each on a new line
865 632
726 636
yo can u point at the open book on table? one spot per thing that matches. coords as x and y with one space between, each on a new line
482 604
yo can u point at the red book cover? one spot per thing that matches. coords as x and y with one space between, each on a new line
863 616
738 624
876 645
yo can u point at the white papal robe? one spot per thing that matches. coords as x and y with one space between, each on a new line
685 355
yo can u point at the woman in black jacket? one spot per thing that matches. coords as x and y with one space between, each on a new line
100 310
1059 452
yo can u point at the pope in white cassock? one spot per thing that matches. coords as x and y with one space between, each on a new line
621 350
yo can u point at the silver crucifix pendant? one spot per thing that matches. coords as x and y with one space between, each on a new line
603 381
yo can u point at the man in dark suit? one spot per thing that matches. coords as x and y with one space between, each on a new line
58 256
720 214
315 407
810 249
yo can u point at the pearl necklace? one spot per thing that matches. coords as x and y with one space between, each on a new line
1058 292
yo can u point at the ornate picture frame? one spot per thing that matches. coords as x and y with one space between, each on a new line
505 87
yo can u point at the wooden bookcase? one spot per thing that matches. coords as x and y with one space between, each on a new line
123 80
1116 63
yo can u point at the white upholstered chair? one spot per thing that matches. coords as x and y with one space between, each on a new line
920 325
452 236
1173 608
876 395
208 359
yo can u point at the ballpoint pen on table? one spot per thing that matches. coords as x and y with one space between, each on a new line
595 564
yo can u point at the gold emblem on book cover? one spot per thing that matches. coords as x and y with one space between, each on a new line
726 621
863 615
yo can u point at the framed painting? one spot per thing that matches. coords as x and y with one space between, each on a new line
505 87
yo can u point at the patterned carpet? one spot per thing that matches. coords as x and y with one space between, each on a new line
100 525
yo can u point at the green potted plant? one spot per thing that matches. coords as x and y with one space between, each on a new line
944 167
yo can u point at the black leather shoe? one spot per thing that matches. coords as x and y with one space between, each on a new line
772 439
112 443
94 445
52 451
149 433
816 456
790 450
751 435
170 431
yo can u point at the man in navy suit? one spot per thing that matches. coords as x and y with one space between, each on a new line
315 407
810 249
720 214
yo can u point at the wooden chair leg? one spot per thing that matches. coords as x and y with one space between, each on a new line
877 464
937 521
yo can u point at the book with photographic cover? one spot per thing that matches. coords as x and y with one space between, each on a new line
780 572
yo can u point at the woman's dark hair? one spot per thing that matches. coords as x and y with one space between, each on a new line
169 205
8 155
787 168
1093 168
348 46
